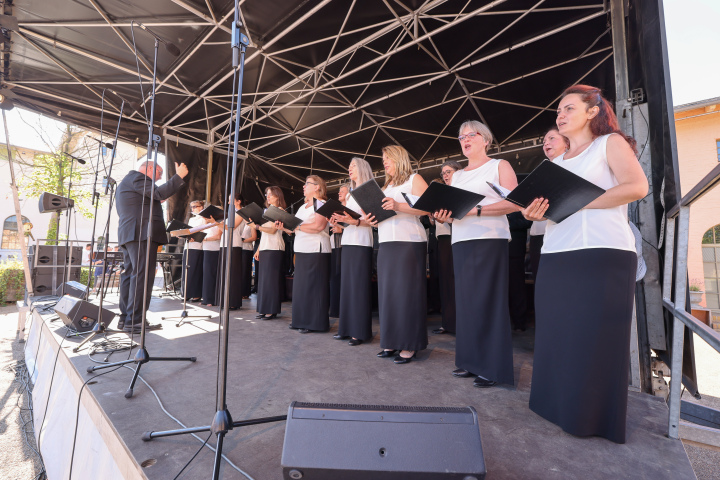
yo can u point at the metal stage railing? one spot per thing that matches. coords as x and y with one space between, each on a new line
678 221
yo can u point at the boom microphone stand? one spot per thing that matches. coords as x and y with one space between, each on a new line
222 421
184 314
142 356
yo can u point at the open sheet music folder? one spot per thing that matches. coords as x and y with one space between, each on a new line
252 213
212 211
444 197
175 226
565 192
370 196
275 214
332 206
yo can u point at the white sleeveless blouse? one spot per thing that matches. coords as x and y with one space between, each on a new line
472 227
442 229
311 242
247 233
591 227
402 227
195 221
352 235
271 242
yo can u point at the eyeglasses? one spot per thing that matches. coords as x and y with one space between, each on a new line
445 173
468 135
310 183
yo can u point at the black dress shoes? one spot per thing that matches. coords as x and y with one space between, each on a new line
354 341
462 373
399 360
262 315
481 382
121 324
387 353
304 330
135 330
270 317
337 336
439 331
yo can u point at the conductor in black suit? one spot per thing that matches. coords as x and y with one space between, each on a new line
134 206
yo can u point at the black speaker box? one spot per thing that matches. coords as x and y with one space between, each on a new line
81 315
74 289
49 255
43 282
369 442
53 203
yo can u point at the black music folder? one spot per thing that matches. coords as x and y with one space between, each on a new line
565 192
212 211
252 213
370 196
275 214
332 206
444 197
178 225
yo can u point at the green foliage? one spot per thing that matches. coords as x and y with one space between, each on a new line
84 273
12 278
52 233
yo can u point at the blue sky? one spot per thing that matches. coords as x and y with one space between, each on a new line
693 40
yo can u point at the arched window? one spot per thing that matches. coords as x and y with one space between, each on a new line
711 266
10 238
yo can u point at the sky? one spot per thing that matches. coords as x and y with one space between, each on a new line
693 39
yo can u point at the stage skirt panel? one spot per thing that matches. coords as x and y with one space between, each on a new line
356 293
247 259
194 273
311 291
446 271
402 295
483 344
583 310
210 267
235 294
335 281
270 289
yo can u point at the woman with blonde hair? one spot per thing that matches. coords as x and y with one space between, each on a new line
483 346
402 280
356 265
311 282
269 255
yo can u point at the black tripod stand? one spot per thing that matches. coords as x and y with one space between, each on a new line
142 356
184 314
222 421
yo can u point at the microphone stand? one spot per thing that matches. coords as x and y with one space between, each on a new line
184 314
222 421
142 356
68 253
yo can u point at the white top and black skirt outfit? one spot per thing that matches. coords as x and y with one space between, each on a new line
194 261
271 285
247 258
483 343
335 276
236 280
402 279
583 308
356 280
447 276
211 254
311 282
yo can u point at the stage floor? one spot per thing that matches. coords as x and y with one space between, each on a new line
270 366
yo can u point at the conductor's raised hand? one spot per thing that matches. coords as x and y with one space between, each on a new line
442 216
536 210
181 170
390 204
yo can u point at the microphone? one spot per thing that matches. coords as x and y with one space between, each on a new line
134 105
79 160
104 144
174 51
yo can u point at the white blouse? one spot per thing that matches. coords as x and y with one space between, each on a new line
442 229
353 235
311 242
195 221
271 241
472 227
237 235
591 227
402 227
247 233
211 245
538 228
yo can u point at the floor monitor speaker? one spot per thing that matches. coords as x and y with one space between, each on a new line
81 315
54 203
74 289
369 442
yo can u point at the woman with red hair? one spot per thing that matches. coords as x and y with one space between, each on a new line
585 284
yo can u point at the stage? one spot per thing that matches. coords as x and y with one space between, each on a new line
269 367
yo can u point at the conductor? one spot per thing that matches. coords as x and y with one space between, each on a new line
134 206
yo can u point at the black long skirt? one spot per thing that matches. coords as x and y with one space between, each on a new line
402 295
446 272
335 281
311 291
356 292
210 267
194 274
483 343
247 259
536 243
235 294
583 311
270 290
